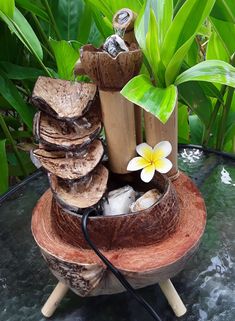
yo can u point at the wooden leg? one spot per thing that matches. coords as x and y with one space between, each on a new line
173 298
54 299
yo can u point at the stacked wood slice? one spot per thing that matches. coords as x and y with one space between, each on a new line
67 127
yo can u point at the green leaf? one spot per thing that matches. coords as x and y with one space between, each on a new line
158 101
11 94
196 130
20 73
164 15
216 49
22 29
226 32
152 45
34 8
85 24
7 7
141 26
3 168
192 95
66 57
185 26
224 10
211 70
183 124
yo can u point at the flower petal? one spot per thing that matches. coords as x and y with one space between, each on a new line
145 151
147 173
162 149
137 163
163 165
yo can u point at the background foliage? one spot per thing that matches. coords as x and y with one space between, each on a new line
43 37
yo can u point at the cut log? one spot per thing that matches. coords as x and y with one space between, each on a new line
55 134
142 266
80 194
71 165
63 99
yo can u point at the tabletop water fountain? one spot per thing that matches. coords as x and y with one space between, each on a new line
147 230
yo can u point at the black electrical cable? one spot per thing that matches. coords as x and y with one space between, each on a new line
113 269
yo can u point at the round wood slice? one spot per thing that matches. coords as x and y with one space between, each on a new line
55 134
111 73
63 99
79 194
73 166
127 230
82 270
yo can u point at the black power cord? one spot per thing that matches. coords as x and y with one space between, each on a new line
113 269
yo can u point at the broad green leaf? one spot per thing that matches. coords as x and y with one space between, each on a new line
224 10
34 8
22 29
211 70
226 32
158 101
175 63
103 6
85 24
3 168
119 4
196 130
103 24
152 45
210 90
164 15
67 15
183 124
141 26
11 94
7 7
192 95
19 72
66 57
184 26
216 49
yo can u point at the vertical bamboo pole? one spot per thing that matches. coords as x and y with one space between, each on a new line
156 132
119 123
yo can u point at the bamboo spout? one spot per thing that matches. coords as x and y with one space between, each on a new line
119 124
156 132
124 21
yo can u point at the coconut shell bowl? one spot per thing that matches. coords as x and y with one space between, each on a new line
147 245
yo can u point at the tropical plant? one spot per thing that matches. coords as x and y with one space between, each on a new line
167 38
43 37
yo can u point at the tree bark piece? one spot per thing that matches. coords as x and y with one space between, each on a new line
111 73
156 131
54 300
55 134
71 166
83 193
63 99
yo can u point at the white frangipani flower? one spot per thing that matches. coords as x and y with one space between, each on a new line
151 160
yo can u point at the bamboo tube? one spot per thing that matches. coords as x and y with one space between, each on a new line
156 131
119 123
173 298
138 124
123 21
54 299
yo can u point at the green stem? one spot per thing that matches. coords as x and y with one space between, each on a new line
51 17
11 140
213 117
222 127
43 35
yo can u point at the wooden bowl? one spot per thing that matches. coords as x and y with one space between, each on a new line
107 72
86 275
122 231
